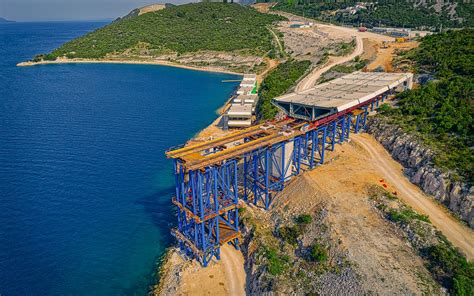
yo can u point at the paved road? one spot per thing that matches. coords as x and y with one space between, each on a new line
458 234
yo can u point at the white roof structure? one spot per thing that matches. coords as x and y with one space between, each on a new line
246 90
239 123
246 99
238 110
250 77
341 94
247 83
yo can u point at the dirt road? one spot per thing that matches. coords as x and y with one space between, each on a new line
383 260
280 47
310 80
233 262
188 278
461 236
332 30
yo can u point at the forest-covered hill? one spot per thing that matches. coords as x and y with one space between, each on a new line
442 111
404 13
177 29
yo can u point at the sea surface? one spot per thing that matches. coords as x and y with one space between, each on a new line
84 184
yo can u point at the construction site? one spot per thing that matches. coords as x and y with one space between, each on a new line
241 112
251 165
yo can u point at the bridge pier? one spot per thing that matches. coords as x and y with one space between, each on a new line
207 201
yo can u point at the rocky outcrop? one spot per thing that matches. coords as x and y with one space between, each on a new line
417 160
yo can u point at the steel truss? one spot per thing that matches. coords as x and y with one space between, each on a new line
207 202
207 198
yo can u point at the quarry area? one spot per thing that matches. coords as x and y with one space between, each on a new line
328 231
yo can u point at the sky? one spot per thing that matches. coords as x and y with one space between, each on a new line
57 10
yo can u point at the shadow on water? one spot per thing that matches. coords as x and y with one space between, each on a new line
159 207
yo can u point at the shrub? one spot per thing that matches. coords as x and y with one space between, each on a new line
304 219
49 57
277 82
390 196
290 234
38 58
318 253
277 264
452 268
385 109
406 215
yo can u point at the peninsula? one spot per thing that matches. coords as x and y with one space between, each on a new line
213 36
4 20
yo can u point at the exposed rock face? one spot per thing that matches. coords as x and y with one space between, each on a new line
419 167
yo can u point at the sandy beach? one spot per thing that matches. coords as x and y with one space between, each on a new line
126 61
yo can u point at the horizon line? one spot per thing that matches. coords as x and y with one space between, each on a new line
60 20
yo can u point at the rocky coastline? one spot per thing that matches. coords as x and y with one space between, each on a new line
417 159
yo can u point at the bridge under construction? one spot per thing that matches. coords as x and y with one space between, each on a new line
255 163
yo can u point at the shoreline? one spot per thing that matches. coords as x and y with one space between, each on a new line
129 62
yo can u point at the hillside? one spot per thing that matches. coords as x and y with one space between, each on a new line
145 9
177 29
3 20
441 111
404 13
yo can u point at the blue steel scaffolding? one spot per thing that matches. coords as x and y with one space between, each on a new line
207 211
207 198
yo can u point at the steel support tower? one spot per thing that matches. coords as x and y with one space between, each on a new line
207 195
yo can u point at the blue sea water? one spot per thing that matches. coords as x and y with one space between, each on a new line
84 185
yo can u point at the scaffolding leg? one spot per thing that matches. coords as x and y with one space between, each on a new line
297 148
333 135
343 130
348 126
366 113
314 146
323 145
357 123
267 179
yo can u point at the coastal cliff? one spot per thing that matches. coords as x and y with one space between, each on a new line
417 160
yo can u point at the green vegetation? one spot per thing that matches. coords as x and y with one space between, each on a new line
277 82
355 65
290 234
303 219
382 13
442 111
451 268
446 264
318 253
406 215
345 48
350 67
277 263
403 214
181 29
